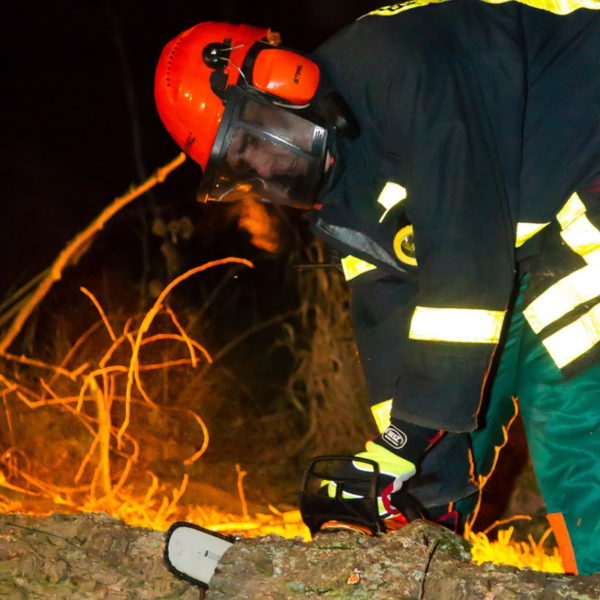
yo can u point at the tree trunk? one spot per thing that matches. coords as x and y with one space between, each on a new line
84 557
419 562
91 557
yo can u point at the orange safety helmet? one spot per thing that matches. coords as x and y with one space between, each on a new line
242 107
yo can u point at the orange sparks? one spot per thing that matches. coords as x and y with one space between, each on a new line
93 395
101 398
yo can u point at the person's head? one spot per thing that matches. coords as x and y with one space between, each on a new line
247 111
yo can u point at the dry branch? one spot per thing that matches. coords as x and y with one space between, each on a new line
79 244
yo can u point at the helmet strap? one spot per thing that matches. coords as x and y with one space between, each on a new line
339 116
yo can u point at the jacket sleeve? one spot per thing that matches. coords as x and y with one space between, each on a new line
463 237
428 342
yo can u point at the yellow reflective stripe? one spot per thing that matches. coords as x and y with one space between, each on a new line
526 231
382 413
572 209
578 232
332 490
456 325
389 463
562 297
575 339
559 7
353 267
391 194
394 9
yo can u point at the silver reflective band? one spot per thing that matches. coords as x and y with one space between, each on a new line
456 325
575 339
563 297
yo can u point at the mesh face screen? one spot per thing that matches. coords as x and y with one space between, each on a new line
266 152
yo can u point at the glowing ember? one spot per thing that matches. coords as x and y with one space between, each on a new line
95 399
97 468
256 220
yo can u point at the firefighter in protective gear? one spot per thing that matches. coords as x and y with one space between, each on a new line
467 211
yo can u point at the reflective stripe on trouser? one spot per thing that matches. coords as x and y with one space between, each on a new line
562 423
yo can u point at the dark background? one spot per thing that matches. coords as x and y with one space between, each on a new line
79 128
79 124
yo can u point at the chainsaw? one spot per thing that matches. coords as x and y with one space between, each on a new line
331 498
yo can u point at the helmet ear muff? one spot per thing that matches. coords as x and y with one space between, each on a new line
285 74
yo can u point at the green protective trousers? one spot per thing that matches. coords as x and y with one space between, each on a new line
562 422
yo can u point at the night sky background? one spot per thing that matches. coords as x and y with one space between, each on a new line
79 123
80 127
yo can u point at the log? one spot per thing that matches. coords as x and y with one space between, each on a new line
422 561
94 556
84 557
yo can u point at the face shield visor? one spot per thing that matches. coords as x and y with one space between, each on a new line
266 152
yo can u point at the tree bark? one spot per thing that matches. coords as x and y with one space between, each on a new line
91 557
419 562
84 557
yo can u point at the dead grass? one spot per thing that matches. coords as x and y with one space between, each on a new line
327 386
